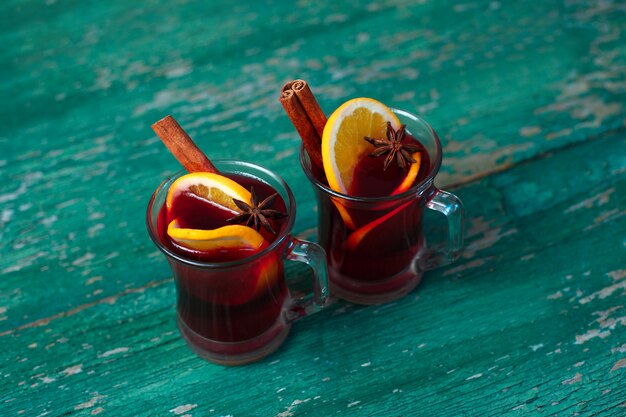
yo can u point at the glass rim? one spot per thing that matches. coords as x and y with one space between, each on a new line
282 236
418 188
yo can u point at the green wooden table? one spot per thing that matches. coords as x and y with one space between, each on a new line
529 98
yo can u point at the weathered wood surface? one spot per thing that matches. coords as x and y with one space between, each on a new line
529 99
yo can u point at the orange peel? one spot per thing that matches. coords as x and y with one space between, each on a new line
411 175
355 239
226 237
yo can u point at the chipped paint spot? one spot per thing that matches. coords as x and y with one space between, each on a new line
113 352
604 292
6 216
597 200
486 156
592 108
181 409
469 265
605 217
24 262
90 403
473 377
307 233
284 154
559 133
288 412
580 339
84 259
96 216
163 99
620 349
529 131
617 274
93 280
48 221
573 380
619 365
352 404
366 364
73 370
28 180
554 296
536 347
490 236
93 230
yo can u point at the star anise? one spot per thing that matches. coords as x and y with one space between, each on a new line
257 214
393 147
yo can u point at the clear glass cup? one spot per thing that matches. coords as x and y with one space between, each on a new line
376 249
240 311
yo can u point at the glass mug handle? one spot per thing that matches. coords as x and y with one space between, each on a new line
313 255
450 206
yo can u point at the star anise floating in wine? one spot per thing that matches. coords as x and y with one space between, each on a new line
257 214
393 147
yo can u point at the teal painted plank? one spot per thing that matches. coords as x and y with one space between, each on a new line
502 83
531 319
79 161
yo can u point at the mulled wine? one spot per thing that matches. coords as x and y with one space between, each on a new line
378 171
225 237
253 296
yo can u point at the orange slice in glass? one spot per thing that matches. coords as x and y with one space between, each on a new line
353 241
342 142
411 175
226 237
216 188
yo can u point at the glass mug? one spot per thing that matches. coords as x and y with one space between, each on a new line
236 312
383 254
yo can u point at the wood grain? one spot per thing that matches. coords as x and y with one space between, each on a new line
528 98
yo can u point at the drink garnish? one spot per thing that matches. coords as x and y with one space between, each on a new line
181 146
257 214
215 188
357 237
220 191
205 182
342 143
392 146
409 179
225 237
307 117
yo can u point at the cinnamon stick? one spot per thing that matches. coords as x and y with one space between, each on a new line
181 146
307 117
310 105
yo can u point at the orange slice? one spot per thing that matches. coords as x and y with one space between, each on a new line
353 241
342 142
226 237
411 175
216 188
345 215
